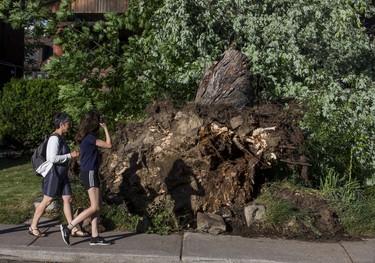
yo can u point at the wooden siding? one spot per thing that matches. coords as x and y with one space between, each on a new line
100 6
94 6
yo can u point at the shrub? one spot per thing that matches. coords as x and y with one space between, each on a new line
27 108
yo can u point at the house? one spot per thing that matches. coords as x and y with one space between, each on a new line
89 10
38 58
12 42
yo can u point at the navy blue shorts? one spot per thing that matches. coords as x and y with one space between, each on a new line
54 185
90 179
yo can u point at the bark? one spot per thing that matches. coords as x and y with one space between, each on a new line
227 82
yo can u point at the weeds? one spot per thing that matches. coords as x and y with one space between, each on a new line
351 201
161 216
358 218
115 217
278 211
340 189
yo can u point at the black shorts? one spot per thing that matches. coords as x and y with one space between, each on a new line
90 179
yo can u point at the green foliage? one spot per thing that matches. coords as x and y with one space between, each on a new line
341 127
352 202
27 108
319 53
77 99
282 214
116 217
28 16
161 217
279 212
24 14
81 197
340 189
358 217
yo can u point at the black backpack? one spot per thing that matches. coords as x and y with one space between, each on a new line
39 156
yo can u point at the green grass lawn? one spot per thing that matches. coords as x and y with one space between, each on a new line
19 187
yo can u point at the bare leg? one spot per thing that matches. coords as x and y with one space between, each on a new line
95 197
39 210
92 211
67 203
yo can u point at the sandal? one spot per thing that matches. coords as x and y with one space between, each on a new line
79 233
36 233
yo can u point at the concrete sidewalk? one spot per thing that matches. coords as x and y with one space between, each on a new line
17 244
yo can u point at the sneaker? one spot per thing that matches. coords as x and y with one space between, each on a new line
99 241
65 233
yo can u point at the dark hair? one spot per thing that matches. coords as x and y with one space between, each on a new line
89 125
60 118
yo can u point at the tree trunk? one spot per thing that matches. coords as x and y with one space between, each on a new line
227 82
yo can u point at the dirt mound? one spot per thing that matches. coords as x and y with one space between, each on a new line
211 159
315 220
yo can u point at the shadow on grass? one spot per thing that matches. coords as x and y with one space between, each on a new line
8 162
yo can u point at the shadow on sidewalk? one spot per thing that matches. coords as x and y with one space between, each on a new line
43 224
111 239
14 229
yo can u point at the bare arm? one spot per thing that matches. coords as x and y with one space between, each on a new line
107 143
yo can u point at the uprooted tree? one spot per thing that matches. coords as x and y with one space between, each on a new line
208 156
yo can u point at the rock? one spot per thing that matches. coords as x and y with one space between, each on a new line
51 208
236 122
254 213
143 225
211 223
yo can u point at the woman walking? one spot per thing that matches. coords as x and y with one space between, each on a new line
87 137
55 172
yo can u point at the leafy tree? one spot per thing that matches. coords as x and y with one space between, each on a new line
319 53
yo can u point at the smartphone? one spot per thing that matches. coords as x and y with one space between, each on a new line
101 119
